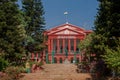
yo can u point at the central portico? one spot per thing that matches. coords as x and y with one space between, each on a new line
63 41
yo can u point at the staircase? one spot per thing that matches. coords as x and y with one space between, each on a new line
57 72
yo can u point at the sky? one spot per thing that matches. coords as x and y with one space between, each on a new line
80 12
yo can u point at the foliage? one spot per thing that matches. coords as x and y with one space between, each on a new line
34 62
39 64
86 46
33 14
98 44
31 63
112 58
107 25
12 32
12 73
12 70
84 63
22 69
3 63
107 28
86 43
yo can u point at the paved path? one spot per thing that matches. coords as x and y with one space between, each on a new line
57 72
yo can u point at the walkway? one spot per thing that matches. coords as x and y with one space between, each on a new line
57 72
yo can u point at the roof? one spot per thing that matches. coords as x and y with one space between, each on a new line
66 29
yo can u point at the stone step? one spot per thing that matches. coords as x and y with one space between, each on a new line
56 72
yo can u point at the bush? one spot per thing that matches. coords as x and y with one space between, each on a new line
39 64
12 73
3 63
34 62
22 69
31 63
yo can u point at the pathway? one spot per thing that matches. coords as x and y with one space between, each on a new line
57 72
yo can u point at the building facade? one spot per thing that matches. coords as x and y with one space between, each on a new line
63 43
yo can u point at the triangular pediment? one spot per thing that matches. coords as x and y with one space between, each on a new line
66 29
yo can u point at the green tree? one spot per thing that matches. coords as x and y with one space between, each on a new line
86 45
33 13
106 39
12 32
107 25
101 27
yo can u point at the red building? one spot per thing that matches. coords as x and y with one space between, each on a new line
63 43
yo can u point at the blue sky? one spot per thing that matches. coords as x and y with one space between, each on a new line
80 12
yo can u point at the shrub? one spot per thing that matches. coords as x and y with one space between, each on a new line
3 63
39 64
31 63
22 69
12 73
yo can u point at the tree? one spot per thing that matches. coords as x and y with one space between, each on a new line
101 27
12 32
106 39
108 20
107 25
33 13
86 45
